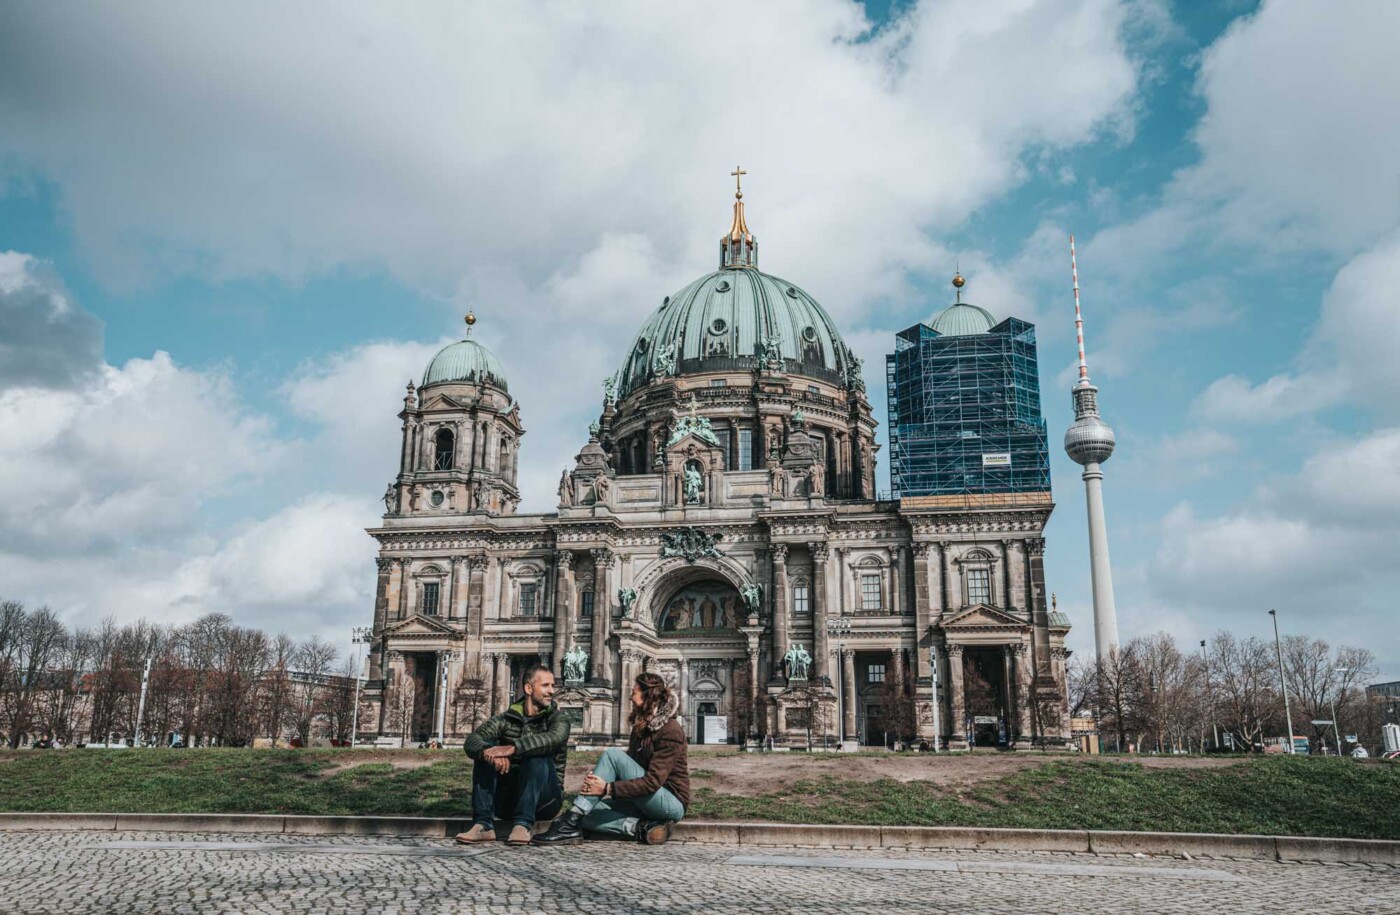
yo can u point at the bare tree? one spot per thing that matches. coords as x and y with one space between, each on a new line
471 699
1321 680
313 661
1117 678
1243 679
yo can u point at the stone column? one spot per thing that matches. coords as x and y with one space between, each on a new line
500 683
848 688
820 554
753 690
957 707
683 676
384 571
780 612
1008 693
563 607
951 601
602 616
1006 602
897 669
627 663
1039 613
896 579
923 633
401 582
476 593
1024 695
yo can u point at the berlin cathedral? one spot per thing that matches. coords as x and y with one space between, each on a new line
720 526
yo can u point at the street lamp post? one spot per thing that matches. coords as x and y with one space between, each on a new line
840 626
1336 729
1283 683
444 661
141 707
360 635
1210 694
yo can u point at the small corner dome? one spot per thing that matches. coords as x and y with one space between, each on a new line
962 319
465 362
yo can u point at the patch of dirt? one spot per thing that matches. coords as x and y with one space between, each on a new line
753 774
399 759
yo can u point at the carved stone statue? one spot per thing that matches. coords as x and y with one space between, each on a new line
575 664
690 484
609 389
391 499
855 381
627 597
817 480
664 365
601 485
798 661
773 351
777 481
566 490
753 598
689 544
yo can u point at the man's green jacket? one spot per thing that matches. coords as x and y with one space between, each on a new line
543 734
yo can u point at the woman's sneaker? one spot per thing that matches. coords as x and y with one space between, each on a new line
654 832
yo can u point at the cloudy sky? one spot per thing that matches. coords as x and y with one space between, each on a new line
230 234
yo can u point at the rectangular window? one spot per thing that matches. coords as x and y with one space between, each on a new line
527 600
430 598
799 599
813 389
724 439
745 457
585 607
870 592
979 586
719 382
875 673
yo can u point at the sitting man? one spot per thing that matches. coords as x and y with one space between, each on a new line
519 770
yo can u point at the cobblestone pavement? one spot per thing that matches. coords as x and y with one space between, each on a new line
117 873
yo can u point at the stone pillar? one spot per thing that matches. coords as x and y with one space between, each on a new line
402 585
500 683
923 632
1024 694
951 600
384 570
563 607
627 672
1040 616
780 612
957 707
1008 692
476 593
1006 601
848 687
602 616
753 690
683 686
896 579
819 568
897 670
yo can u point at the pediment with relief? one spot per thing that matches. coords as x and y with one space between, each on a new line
982 616
418 626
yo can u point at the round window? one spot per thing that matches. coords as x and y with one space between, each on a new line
642 345
809 333
436 498
792 291
723 286
718 326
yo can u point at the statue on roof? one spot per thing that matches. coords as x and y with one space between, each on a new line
664 365
609 390
855 381
693 423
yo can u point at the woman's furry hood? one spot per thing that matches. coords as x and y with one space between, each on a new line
665 713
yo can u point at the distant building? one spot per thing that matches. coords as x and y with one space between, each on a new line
964 402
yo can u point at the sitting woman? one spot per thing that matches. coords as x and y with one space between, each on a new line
640 793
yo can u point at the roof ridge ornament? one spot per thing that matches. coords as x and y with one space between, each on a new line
738 248
470 321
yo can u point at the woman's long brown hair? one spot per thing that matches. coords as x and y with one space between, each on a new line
655 694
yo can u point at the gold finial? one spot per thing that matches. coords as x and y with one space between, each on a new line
738 175
958 284
470 320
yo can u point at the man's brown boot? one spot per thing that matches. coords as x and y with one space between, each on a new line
476 835
519 835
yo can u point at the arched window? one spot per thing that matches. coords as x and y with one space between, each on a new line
444 449
978 573
705 605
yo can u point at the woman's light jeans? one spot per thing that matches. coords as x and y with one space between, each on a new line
619 815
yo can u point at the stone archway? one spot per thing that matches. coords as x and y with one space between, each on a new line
662 581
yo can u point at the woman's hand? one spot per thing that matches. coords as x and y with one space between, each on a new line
593 786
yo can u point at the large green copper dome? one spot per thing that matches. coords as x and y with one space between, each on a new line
465 361
732 319
962 319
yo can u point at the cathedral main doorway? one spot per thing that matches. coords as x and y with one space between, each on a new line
989 712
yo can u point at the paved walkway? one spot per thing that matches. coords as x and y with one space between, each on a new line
113 874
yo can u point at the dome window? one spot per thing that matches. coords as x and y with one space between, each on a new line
444 449
723 286
792 292
809 333
718 326
642 345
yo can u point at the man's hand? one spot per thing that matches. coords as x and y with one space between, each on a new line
499 757
593 786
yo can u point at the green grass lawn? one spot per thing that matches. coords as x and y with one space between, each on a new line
1278 795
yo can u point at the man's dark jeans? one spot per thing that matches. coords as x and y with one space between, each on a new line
530 791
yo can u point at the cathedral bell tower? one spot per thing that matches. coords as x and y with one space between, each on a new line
461 437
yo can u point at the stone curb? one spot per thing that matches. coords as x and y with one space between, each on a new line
1101 842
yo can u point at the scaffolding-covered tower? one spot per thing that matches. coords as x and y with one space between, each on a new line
964 400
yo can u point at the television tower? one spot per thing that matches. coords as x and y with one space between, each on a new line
1089 442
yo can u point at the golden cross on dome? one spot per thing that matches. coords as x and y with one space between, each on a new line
738 175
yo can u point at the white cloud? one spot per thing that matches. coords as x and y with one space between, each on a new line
1233 399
